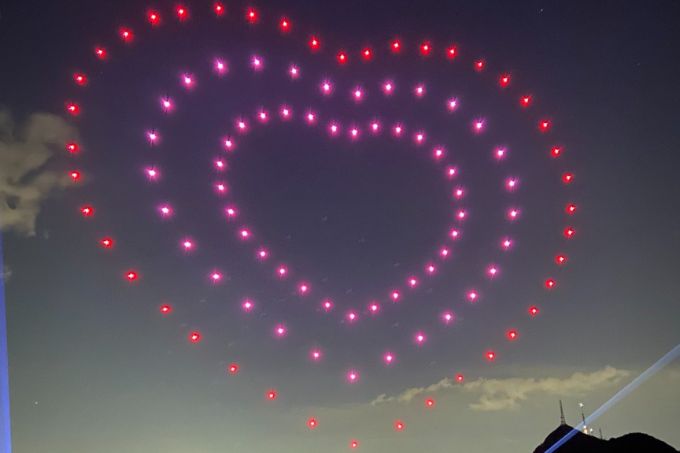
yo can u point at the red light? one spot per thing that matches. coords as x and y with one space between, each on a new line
550 283
312 423
395 46
354 444
72 147
451 52
272 395
555 151
533 311
512 335
126 34
252 16
182 12
570 209
479 65
504 80
460 378
314 43
195 337
153 17
100 53
429 403
165 309
106 243
490 356
131 276
569 232
75 176
219 9
367 54
399 425
72 108
567 178
561 259
87 211
80 79
233 368
342 57
425 48
526 100
284 25
544 125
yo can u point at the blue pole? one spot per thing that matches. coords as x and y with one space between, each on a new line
5 423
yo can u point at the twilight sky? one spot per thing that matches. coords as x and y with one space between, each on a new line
94 366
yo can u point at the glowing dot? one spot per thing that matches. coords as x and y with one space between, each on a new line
367 53
247 305
419 338
262 254
504 80
219 164
570 208
326 87
451 172
429 403
341 57
220 66
284 25
218 8
303 288
327 305
314 43
244 233
479 65
395 296
461 214
220 188
167 104
165 210
430 269
151 173
388 87
375 127
194 337
472 296
106 242
569 232
556 151
438 153
373 308
252 16
490 356
550 283
447 317
399 425
395 46
80 79
567 178
351 316
419 90
454 233
412 282
165 309
352 376
294 72
72 148
513 214
560 259
458 193
256 63
492 271
263 116
72 108
525 101
315 354
533 311
451 104
272 395
511 184
478 126
354 132
419 137
354 444
228 143
460 378
233 368
187 244
188 80
444 252
310 117
101 53
125 34
425 48
388 358
312 423
182 13
153 17
131 276
506 243
216 277
397 130
282 271
500 153
512 334
358 94
87 211
75 175
152 137
280 331
334 129
544 125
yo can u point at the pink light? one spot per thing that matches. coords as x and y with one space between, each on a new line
303 288
570 208
556 151
262 254
220 66
444 252
511 184
460 378
87 211
429 403
412 282
233 368
352 376
351 316
560 259
550 283
165 210
187 245
219 8
106 242
420 338
525 101
399 425
333 129
252 15
374 308
73 108
75 175
131 275
312 423
430 269
367 54
220 165
241 125
257 63
314 43
438 153
354 444
294 72
506 243
315 354
425 49
447 317
389 358
500 153
395 46
195 337
341 57
395 296
354 132
490 356
263 116
231 212
327 305
451 172
167 104
126 34
419 90
544 125
153 17
375 127
188 80
512 334
358 94
153 137
569 232
221 188
451 104
454 233
479 65
165 309
247 305
451 52
101 53
504 80
310 117
245 234
284 25
513 214
461 214
285 112
533 311
388 87
492 271
397 130
472 296
419 138
216 277
228 143
272 395
151 173
280 330
326 87
478 125
182 13
282 271
458 193
80 79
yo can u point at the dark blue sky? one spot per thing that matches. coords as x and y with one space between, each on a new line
95 367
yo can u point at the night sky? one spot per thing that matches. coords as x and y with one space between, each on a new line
95 366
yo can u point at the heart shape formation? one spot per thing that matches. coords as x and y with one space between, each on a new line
360 127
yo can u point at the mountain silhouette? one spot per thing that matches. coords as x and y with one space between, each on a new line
583 443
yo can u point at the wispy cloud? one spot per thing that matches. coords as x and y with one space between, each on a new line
508 393
26 178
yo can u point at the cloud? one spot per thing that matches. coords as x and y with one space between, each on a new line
26 177
507 394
